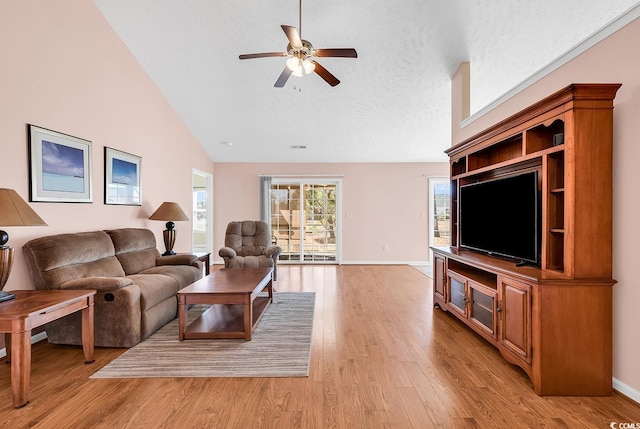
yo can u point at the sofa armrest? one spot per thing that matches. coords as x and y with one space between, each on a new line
273 251
227 252
100 284
180 259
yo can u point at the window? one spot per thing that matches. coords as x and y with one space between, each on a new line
439 212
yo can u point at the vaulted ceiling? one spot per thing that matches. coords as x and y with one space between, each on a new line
393 102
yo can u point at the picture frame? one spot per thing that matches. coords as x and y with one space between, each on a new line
59 167
122 178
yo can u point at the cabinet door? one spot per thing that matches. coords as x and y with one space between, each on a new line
482 308
439 281
515 327
457 293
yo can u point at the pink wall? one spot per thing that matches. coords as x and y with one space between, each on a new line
615 59
382 204
64 68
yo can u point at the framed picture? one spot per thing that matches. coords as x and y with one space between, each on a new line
59 167
122 178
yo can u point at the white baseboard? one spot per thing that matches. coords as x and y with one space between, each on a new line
419 263
34 339
626 390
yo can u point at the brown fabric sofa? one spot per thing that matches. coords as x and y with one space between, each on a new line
136 287
248 245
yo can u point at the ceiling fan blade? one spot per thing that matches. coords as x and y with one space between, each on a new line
325 74
337 52
292 35
284 76
262 55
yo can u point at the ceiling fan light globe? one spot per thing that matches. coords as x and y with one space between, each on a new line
297 72
309 66
293 64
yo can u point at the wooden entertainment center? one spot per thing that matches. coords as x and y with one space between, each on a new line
552 319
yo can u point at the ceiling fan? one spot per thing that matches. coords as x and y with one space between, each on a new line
302 56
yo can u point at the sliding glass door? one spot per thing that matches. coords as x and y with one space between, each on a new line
304 220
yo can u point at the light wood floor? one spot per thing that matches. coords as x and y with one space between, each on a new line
382 357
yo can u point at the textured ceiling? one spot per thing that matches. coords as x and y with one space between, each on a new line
393 104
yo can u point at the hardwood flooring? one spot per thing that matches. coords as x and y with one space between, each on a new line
381 357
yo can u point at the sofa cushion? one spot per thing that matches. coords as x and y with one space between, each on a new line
55 259
135 248
250 262
184 275
154 288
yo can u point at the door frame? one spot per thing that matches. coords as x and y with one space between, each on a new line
433 180
209 217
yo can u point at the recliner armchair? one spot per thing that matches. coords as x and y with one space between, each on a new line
248 245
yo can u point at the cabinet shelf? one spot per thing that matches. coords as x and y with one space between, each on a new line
505 150
482 277
545 136
511 163
459 166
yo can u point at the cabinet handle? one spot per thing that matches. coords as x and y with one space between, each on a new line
499 309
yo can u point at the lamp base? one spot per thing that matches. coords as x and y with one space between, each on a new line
169 236
6 261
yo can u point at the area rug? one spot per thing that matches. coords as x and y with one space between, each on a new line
280 347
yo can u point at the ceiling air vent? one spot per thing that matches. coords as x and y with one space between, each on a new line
297 146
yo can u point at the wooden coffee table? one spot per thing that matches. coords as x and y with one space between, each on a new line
33 308
236 307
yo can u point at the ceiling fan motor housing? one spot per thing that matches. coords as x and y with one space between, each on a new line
305 51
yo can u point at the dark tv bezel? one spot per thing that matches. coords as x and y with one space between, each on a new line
537 220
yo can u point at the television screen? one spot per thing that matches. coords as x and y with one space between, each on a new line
501 217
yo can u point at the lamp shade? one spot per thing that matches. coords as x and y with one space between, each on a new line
14 211
169 211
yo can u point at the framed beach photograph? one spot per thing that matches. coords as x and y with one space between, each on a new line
59 167
122 178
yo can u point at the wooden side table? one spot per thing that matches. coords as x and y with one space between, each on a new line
31 309
205 257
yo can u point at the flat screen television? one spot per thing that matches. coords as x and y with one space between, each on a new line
502 217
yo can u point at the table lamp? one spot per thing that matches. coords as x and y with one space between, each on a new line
14 211
170 212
